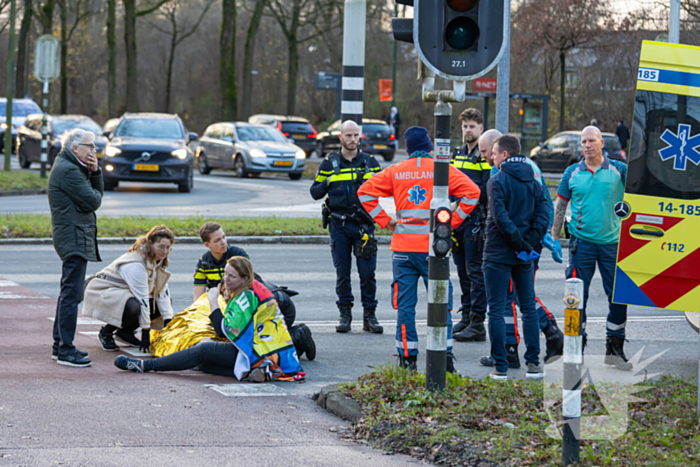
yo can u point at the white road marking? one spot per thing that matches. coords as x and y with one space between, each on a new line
13 296
8 284
134 352
85 321
248 390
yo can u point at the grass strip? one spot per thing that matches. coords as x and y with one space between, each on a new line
497 423
39 226
21 180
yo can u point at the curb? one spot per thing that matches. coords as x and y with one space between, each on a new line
249 240
36 191
335 402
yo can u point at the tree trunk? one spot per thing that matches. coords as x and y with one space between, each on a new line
227 66
173 44
562 89
112 57
292 72
132 98
21 63
47 16
64 56
249 50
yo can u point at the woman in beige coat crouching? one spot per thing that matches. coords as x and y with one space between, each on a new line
132 291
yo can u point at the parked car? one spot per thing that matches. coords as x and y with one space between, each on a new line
296 128
248 149
149 147
109 126
377 138
29 136
21 108
564 149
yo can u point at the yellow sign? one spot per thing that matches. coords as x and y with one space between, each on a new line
659 249
146 167
572 322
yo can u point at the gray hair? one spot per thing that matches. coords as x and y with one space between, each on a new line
74 137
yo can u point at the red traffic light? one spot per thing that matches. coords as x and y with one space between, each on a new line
443 216
462 5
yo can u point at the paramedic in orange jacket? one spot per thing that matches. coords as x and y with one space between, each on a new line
410 182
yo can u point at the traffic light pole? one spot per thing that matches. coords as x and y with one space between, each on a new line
353 84
44 129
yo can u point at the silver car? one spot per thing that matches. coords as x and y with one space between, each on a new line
248 149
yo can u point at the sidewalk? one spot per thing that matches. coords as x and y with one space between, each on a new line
56 415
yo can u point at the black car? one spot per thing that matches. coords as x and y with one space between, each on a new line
149 147
295 128
564 149
377 138
29 136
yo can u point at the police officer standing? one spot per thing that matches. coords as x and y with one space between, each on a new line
352 230
469 237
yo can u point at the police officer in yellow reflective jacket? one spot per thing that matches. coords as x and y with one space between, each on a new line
352 230
469 237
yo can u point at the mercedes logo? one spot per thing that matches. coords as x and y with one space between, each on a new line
379 135
622 209
145 155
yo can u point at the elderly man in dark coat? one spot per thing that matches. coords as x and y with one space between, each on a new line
75 193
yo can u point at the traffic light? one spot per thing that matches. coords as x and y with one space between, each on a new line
457 39
442 232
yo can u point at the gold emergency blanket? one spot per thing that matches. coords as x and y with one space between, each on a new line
187 328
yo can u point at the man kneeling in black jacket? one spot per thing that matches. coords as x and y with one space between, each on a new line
518 219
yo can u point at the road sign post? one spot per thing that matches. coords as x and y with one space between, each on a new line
573 360
47 66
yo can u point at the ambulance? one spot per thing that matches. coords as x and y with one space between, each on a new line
658 258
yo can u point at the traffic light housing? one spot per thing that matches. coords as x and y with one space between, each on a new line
442 232
457 39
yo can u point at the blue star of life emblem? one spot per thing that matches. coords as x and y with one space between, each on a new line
416 194
681 146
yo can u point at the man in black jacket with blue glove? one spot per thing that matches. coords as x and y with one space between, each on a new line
518 220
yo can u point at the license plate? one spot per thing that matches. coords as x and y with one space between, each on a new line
380 146
146 167
299 136
283 163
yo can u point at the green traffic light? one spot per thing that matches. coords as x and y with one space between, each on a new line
461 33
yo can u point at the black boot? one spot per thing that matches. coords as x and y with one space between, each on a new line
408 362
555 342
511 356
464 322
450 364
475 332
615 355
369 322
303 342
343 325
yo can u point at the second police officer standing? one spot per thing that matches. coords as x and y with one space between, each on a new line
469 245
339 176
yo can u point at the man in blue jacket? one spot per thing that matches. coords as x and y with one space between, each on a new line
518 220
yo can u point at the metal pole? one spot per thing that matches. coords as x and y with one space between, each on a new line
393 73
545 118
10 85
674 22
353 61
44 129
573 360
503 89
438 268
486 113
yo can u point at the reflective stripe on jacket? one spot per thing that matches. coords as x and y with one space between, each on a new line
410 182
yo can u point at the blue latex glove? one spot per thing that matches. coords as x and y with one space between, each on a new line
553 246
524 256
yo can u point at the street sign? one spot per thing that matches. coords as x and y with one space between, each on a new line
328 81
47 58
385 90
486 84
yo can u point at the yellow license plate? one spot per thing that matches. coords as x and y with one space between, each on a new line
299 136
146 167
283 163
380 146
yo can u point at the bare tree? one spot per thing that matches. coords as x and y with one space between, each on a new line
227 64
177 35
67 31
22 55
46 16
130 15
248 52
112 58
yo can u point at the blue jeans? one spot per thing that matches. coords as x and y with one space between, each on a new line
343 235
408 268
512 333
72 287
498 277
468 260
583 257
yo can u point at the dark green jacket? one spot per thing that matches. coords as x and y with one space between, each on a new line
74 197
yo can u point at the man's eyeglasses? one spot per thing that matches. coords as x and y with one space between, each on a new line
91 146
163 248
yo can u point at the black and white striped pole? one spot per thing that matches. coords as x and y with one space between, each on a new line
44 128
573 360
351 106
439 259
